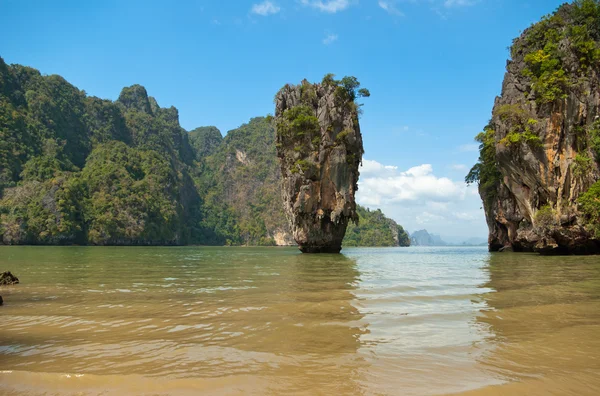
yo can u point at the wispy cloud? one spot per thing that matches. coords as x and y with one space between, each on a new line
330 6
265 8
390 8
330 38
458 167
467 148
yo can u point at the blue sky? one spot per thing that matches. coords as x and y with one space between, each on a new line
433 68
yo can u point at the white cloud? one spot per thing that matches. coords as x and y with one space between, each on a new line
459 3
390 8
265 8
374 168
330 38
418 184
331 6
418 198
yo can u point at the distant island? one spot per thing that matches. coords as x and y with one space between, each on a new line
77 169
423 238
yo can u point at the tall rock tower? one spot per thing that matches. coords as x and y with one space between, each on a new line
539 165
319 146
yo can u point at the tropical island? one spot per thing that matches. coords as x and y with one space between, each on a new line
76 169
539 166
140 280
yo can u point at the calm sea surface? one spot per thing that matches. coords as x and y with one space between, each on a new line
270 321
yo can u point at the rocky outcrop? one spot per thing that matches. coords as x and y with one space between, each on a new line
6 278
319 146
424 238
136 98
539 154
205 141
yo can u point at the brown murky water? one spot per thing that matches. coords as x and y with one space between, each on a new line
226 321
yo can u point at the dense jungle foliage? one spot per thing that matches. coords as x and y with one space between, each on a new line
374 229
76 169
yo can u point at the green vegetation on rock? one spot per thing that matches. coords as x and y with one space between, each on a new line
545 217
240 187
485 172
521 130
589 204
594 136
540 153
76 169
205 141
374 229
575 27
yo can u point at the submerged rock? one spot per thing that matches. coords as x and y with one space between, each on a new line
1 301
506 249
319 146
539 169
6 278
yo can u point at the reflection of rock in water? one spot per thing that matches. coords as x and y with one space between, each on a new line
319 324
322 290
260 321
545 312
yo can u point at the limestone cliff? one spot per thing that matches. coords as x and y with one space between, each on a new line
319 146
539 154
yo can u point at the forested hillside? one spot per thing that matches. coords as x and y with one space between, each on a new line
76 169
374 229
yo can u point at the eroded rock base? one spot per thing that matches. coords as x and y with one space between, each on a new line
320 249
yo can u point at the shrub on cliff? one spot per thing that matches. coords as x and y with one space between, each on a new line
548 65
485 172
545 218
589 204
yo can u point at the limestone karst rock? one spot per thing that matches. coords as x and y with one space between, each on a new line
319 146
540 153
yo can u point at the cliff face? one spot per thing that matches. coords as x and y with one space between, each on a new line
240 187
319 146
539 154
